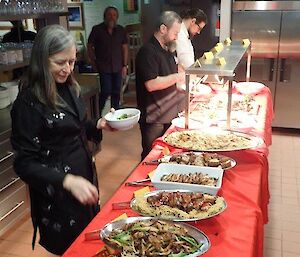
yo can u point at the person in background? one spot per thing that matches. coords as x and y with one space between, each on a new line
156 76
49 136
18 34
193 21
108 54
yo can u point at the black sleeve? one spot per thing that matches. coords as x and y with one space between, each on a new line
93 134
92 36
125 37
147 64
25 139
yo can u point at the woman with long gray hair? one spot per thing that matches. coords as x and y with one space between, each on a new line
49 135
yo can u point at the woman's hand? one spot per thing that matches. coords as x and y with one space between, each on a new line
102 124
83 190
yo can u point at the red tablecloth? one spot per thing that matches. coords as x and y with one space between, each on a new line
238 231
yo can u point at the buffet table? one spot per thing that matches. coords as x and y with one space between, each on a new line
238 231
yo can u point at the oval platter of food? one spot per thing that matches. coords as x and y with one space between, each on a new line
178 205
146 236
212 141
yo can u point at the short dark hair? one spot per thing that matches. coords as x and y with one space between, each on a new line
110 8
168 18
194 13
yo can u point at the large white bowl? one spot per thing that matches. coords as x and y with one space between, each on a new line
249 88
168 168
123 124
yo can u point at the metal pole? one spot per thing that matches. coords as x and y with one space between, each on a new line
187 100
248 64
229 104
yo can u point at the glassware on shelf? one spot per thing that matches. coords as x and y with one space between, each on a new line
3 55
11 53
16 7
27 47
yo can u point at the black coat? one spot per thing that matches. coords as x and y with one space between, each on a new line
50 144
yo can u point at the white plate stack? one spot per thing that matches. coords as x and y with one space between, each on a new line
13 89
4 97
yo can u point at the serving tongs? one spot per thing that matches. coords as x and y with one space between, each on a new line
142 182
152 162
92 235
121 205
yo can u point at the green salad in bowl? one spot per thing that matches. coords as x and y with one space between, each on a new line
123 119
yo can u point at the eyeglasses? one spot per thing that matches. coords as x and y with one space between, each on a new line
199 27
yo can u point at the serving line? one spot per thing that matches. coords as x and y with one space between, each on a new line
238 231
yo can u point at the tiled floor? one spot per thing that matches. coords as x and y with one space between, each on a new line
121 153
282 233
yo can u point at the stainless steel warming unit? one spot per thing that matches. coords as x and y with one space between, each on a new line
273 28
232 54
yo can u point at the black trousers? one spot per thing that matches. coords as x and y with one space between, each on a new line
110 84
149 132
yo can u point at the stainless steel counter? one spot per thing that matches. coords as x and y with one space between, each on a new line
232 54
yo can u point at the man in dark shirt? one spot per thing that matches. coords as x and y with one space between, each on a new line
17 33
156 78
108 53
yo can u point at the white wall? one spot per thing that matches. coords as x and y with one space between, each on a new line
225 22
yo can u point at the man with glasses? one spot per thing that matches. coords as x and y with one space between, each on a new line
156 78
193 21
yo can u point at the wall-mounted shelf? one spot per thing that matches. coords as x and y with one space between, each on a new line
31 16
10 67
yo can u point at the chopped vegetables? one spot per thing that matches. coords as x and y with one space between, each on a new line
125 116
154 238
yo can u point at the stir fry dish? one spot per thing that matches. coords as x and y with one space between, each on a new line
153 238
180 205
191 178
204 159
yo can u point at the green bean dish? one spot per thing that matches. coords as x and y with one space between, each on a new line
154 238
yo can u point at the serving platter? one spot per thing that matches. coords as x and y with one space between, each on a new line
214 140
216 108
198 235
197 88
179 122
173 213
200 89
197 159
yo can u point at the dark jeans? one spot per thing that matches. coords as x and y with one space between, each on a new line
149 132
110 84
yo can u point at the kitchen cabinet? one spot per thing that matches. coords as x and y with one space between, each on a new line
14 200
275 36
